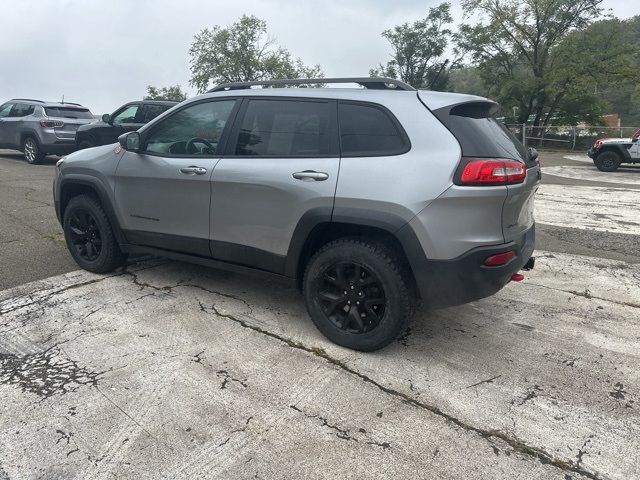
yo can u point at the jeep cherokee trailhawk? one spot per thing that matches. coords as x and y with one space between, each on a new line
371 199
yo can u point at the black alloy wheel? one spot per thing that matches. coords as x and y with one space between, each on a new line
85 235
352 297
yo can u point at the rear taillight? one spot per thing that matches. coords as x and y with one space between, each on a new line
51 124
491 171
499 259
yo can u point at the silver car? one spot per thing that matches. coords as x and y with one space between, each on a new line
39 128
370 199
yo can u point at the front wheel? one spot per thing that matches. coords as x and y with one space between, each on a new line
607 161
358 294
89 236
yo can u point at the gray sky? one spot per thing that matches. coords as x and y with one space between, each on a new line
104 53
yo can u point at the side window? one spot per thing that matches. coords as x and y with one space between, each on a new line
128 115
194 130
285 128
5 109
149 112
369 131
21 110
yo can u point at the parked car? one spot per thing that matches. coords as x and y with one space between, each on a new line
39 128
609 153
369 199
128 117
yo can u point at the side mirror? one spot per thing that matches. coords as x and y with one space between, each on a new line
130 141
533 153
106 118
635 139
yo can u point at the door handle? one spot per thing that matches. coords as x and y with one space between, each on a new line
193 170
309 175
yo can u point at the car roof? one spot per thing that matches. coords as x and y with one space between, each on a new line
161 102
432 99
47 104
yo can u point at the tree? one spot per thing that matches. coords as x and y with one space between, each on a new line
516 49
242 52
173 92
419 51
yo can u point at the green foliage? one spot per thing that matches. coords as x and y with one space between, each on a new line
517 49
173 92
242 52
418 56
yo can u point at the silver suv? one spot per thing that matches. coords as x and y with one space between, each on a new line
370 199
39 128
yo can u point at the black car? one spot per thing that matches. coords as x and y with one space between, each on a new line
130 116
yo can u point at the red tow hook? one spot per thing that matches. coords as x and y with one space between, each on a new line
517 277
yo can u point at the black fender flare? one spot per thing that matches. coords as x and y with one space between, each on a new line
28 132
392 224
619 148
101 191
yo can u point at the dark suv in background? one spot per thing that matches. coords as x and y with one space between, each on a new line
129 117
40 128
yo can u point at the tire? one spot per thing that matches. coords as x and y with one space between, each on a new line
374 278
89 236
608 161
32 151
85 144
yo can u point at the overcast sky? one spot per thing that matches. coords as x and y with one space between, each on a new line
105 53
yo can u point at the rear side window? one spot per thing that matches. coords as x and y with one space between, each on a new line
68 112
369 131
22 110
479 134
286 128
149 112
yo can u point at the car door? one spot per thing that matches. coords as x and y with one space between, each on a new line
163 194
126 119
12 123
5 125
281 161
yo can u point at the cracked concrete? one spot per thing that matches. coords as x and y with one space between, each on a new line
173 370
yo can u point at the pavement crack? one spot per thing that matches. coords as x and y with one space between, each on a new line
488 434
488 380
586 294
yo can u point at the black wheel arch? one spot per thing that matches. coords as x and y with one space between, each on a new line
320 226
618 148
29 133
74 186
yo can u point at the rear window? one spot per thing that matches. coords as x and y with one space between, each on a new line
369 131
479 134
68 112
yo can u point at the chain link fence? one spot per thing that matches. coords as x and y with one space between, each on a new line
562 137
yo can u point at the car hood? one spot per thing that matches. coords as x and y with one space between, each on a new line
93 153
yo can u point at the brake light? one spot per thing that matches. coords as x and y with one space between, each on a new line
492 171
499 259
51 124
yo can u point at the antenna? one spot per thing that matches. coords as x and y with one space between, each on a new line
63 98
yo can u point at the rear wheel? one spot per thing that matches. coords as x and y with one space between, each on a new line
32 152
608 161
89 236
358 294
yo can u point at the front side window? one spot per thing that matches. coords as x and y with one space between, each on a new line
5 109
285 128
128 115
368 131
195 130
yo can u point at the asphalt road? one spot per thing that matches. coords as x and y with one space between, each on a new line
169 370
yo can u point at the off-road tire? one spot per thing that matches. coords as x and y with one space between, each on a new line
393 277
109 257
607 161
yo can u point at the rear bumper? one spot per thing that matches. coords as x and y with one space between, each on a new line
445 283
59 147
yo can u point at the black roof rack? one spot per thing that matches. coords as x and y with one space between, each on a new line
26 100
373 83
